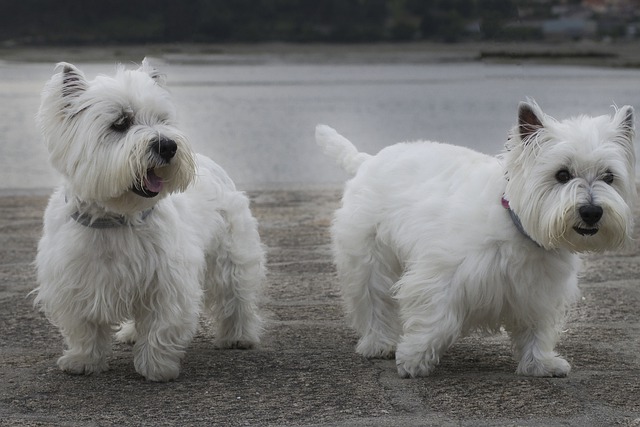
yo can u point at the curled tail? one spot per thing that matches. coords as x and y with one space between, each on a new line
340 148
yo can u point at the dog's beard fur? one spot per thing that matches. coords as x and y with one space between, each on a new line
426 251
100 136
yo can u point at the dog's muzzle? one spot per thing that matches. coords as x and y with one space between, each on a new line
590 215
151 184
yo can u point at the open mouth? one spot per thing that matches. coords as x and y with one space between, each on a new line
151 185
585 231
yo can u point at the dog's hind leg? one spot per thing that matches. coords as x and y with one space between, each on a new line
234 279
367 273
127 333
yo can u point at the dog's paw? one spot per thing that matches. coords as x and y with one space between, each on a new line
550 367
159 375
375 351
81 365
415 360
127 333
157 364
413 368
159 371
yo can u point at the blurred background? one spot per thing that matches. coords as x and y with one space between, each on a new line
169 21
252 78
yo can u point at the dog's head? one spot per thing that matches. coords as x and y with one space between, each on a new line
114 138
572 182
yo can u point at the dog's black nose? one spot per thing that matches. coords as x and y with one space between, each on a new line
590 214
166 148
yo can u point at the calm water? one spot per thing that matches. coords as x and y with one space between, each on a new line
257 120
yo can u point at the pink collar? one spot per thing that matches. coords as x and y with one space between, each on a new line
505 203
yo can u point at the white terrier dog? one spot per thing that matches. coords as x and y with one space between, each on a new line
433 240
143 231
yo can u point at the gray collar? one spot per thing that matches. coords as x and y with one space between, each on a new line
112 221
516 220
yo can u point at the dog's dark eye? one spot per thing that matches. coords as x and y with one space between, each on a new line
122 124
563 176
608 177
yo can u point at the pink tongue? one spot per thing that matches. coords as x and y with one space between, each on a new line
153 182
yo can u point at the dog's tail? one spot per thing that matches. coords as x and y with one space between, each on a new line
340 148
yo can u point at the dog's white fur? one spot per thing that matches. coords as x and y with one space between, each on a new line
194 243
426 252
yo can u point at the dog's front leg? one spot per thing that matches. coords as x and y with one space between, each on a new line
431 324
534 348
160 347
163 330
419 352
88 345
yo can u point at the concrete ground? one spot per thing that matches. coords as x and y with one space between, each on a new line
306 373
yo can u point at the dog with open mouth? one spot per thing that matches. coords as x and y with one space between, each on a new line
143 233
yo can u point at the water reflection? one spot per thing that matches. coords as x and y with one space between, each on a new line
257 119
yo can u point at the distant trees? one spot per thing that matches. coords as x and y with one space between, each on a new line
447 20
121 21
142 21
494 15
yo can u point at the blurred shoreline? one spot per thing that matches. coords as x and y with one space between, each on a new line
315 80
624 54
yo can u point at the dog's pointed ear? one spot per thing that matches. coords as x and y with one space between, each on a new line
73 80
529 120
624 118
153 72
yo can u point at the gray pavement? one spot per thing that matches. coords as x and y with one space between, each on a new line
306 373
